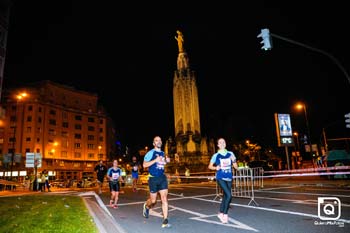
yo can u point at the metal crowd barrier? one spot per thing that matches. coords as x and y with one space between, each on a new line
243 183
258 175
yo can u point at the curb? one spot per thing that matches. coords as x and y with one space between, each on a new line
104 220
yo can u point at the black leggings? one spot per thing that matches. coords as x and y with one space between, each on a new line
227 196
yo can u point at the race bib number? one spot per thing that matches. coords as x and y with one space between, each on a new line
225 164
160 165
115 176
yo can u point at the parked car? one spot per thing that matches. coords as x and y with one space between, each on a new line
143 178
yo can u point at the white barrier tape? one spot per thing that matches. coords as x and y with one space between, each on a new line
311 169
270 176
308 174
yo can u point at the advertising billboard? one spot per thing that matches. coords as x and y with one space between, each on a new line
284 129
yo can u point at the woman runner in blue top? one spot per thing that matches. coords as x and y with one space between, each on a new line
223 161
114 174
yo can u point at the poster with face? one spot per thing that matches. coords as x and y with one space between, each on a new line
285 126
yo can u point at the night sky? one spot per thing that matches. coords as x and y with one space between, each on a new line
127 55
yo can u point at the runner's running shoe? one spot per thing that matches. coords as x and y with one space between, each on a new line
165 223
145 211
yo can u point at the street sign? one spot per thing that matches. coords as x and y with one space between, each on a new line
17 158
347 120
7 158
33 159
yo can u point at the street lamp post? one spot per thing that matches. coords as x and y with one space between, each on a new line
18 98
297 150
296 134
303 106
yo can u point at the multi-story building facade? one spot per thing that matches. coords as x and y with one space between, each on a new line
66 127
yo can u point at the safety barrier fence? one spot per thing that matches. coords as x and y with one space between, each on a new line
243 183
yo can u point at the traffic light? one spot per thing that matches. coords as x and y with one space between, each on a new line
347 120
266 39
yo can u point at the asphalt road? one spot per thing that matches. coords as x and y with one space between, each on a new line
282 206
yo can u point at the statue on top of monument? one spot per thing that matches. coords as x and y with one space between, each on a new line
180 41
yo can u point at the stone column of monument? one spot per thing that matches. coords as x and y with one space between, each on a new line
186 106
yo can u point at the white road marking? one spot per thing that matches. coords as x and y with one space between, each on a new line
274 210
202 218
285 187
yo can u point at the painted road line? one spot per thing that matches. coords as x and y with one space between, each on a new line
204 218
274 210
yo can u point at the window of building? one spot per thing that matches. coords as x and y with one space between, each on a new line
39 119
39 109
100 139
38 130
28 139
64 134
77 126
64 143
52 132
91 137
30 108
37 150
91 119
52 122
13 118
76 164
27 150
91 155
89 164
64 154
29 129
77 136
65 124
101 130
91 128
61 163
37 139
77 145
78 117
101 121
52 112
29 118
49 162
91 146
64 115
77 155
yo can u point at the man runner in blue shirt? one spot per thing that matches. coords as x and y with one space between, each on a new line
155 161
